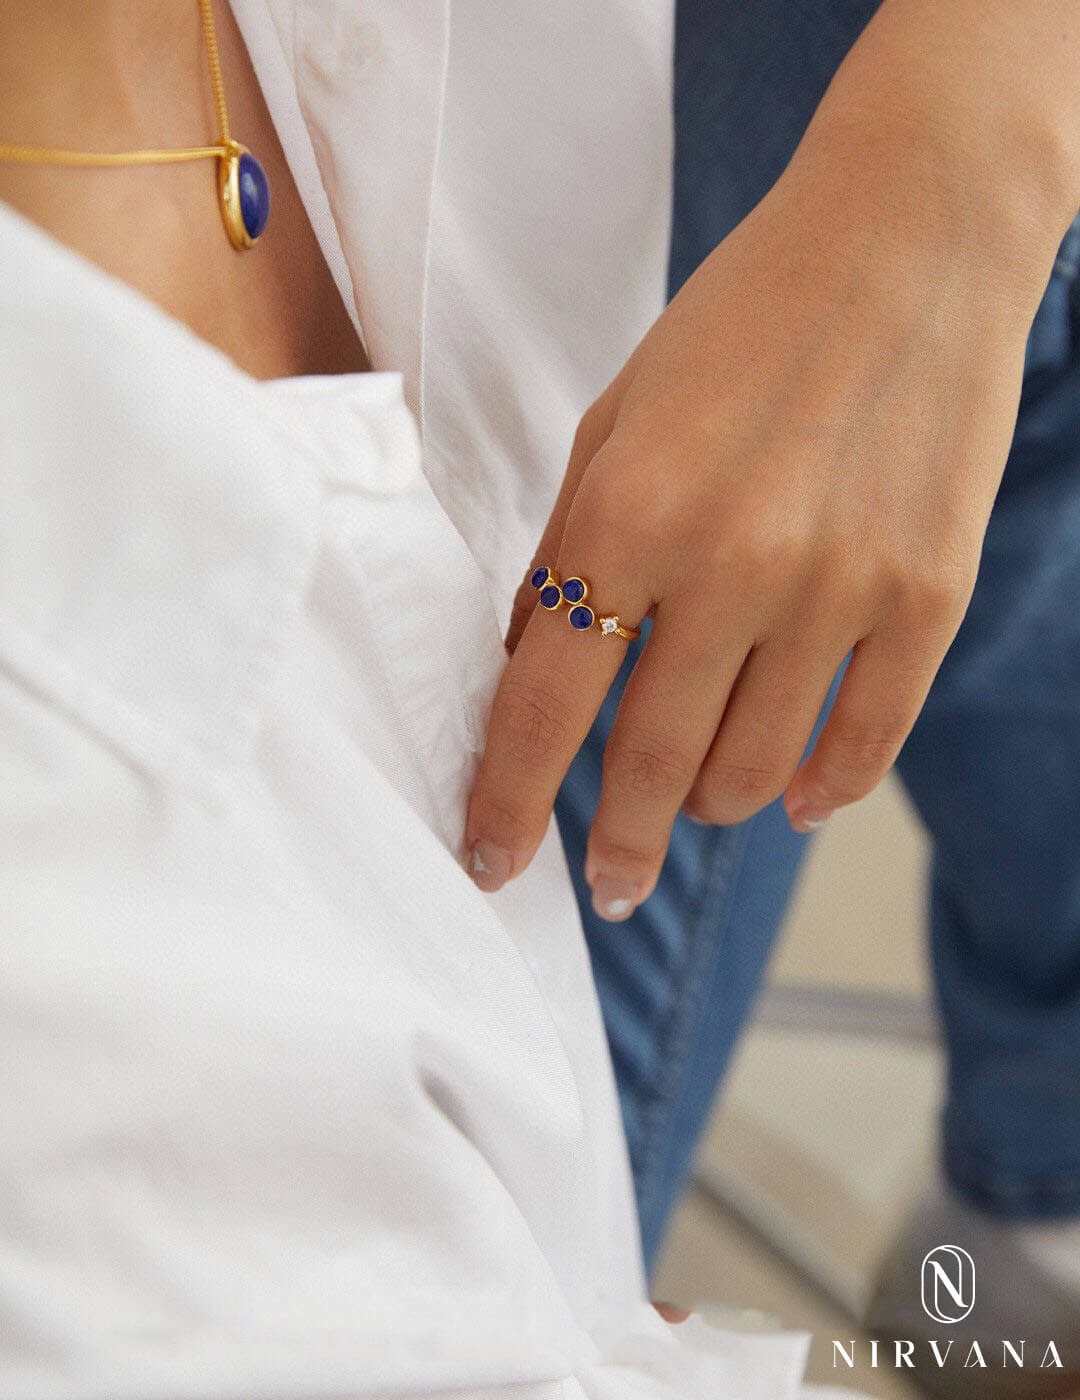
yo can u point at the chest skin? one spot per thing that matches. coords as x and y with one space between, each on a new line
69 79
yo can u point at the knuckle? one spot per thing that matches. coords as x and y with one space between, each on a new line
647 765
504 822
599 511
730 792
595 417
779 548
593 428
947 591
789 546
926 592
614 855
856 758
524 603
531 716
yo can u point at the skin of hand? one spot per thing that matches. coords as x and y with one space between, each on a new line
800 458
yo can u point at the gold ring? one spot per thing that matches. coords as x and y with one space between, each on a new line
573 592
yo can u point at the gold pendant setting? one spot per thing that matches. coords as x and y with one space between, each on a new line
244 196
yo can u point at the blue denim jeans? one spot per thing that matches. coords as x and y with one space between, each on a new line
993 764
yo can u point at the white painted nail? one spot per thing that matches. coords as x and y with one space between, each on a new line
613 898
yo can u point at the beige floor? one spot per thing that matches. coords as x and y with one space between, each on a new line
709 1257
826 1128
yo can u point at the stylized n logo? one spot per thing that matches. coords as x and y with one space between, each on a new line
948 1284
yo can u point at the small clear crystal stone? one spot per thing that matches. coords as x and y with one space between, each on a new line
608 624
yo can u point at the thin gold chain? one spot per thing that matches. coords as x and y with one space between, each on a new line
206 14
48 155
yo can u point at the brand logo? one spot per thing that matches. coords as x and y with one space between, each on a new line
948 1284
948 1296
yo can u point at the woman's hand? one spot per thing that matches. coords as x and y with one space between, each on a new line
797 462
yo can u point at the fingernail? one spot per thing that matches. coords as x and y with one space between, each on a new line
671 1312
809 818
613 898
489 866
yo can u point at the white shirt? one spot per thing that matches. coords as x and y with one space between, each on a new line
289 1108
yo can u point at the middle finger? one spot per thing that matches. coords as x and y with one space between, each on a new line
668 716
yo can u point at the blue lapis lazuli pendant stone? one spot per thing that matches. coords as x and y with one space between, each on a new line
540 576
254 195
550 596
244 193
581 618
574 590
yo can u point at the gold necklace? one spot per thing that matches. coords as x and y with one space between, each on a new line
243 190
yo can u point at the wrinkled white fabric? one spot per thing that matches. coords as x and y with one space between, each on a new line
289 1108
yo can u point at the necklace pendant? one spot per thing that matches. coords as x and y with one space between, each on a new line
244 196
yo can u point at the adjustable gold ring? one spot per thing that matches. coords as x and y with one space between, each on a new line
573 592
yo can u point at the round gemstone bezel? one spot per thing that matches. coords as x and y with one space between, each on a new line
581 617
575 589
540 576
551 597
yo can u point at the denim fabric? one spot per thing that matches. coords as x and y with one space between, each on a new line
993 764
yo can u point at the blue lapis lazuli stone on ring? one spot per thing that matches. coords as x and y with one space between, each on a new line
573 592
244 194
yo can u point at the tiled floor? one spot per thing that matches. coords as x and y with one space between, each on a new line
827 1124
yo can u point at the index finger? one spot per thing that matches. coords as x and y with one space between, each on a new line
548 698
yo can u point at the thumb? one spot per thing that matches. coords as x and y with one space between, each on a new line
593 431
